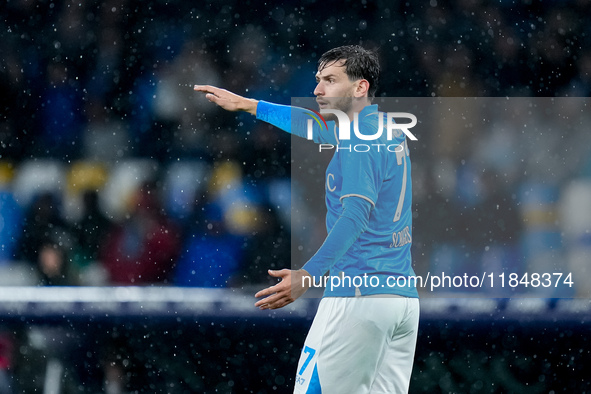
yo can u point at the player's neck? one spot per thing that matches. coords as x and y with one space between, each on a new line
357 106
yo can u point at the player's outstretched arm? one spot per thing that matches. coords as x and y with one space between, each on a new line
291 287
228 100
294 120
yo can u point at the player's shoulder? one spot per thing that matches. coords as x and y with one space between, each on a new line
371 125
371 116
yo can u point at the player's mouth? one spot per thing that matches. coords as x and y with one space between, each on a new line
322 104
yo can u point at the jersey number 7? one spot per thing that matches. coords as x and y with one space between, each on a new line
401 154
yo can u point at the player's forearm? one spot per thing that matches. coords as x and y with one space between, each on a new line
350 225
276 114
293 120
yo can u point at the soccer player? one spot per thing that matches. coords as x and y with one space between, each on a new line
363 337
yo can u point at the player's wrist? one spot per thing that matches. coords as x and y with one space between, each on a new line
250 106
303 274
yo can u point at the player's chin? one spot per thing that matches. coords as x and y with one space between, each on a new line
329 117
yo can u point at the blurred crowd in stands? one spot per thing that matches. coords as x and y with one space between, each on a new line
113 171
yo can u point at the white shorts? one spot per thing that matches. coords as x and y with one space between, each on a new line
360 345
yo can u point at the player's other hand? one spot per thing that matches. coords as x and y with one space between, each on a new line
228 100
289 289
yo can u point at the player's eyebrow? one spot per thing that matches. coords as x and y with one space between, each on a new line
328 76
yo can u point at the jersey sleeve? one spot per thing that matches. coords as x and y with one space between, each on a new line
294 120
348 227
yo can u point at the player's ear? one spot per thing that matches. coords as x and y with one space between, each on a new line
362 88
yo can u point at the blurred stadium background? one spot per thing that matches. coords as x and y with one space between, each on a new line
137 220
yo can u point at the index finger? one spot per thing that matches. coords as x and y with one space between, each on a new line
265 292
206 88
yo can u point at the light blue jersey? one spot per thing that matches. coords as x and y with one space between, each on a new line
378 172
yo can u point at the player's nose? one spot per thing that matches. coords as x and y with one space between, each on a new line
319 91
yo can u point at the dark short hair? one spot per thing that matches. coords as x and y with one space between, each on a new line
359 63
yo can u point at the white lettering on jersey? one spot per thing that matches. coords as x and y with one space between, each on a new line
401 238
328 178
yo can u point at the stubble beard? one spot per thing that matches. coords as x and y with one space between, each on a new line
343 104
